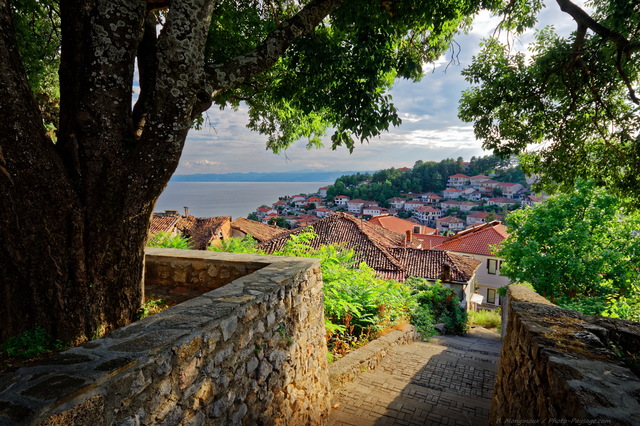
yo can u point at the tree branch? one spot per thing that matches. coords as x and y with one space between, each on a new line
243 68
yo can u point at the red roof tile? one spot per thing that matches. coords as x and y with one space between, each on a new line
259 231
437 264
476 240
202 230
163 222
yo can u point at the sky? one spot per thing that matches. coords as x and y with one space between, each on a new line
430 130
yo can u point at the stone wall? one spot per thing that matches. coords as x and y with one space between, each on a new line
250 352
561 367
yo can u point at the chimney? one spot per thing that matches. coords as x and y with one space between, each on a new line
409 235
186 211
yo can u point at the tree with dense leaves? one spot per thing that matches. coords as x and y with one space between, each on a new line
571 109
76 210
574 245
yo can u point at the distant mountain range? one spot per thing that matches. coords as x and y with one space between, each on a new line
298 176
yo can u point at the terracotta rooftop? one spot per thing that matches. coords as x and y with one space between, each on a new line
430 241
202 230
371 242
259 231
459 175
436 264
477 240
163 222
449 219
397 224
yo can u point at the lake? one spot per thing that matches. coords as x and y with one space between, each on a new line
235 199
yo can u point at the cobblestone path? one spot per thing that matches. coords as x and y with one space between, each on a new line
447 381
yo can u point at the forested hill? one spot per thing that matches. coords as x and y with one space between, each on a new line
425 176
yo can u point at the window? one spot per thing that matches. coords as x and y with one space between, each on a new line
492 266
491 296
416 229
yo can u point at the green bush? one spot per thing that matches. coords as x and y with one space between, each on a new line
166 240
245 244
31 344
485 318
358 305
442 301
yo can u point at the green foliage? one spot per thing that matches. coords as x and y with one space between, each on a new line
253 216
574 99
30 344
580 244
422 318
425 176
485 318
245 244
358 305
442 302
586 305
151 307
166 240
337 76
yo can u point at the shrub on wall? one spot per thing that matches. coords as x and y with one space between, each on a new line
442 302
166 240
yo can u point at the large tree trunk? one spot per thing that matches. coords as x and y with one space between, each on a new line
75 214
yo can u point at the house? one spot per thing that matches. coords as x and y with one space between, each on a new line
264 211
428 214
411 205
279 205
206 231
452 193
315 200
450 204
165 222
401 226
372 210
396 202
270 216
305 220
322 212
478 242
509 189
474 181
453 270
260 232
487 186
341 200
530 200
356 205
298 197
449 223
479 217
467 206
471 194
458 181
432 199
405 169
322 191
502 202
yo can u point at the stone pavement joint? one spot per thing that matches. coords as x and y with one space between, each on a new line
446 381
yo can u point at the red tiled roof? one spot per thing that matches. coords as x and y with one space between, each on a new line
479 215
508 184
341 196
163 222
476 240
202 230
259 231
459 175
396 224
371 242
436 264
449 219
430 241
427 209
452 190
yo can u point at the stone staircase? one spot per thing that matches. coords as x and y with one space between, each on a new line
446 381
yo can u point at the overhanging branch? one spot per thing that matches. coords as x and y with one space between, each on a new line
243 68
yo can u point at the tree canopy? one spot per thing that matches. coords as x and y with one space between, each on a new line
571 108
575 245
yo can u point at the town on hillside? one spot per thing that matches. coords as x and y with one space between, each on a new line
445 234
